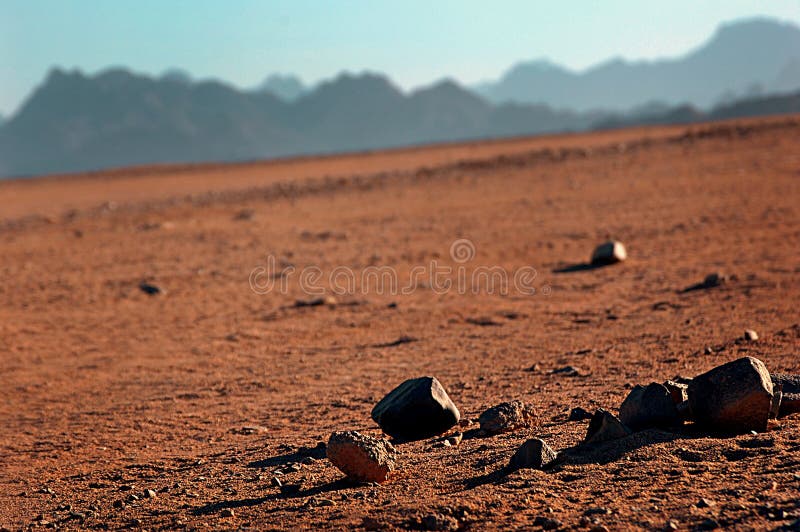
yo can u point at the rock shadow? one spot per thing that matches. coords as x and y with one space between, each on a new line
579 267
317 453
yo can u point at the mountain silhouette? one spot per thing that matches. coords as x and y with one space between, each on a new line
76 122
759 54
285 86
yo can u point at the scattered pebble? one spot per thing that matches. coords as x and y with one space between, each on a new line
507 417
568 371
579 414
150 494
227 512
455 439
750 335
316 302
439 522
715 279
648 407
704 503
609 252
604 427
362 458
533 454
547 523
150 289
416 409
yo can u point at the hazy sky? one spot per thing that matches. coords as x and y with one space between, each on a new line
415 42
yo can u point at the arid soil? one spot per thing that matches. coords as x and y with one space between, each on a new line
202 392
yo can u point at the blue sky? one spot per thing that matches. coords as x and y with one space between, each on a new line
415 42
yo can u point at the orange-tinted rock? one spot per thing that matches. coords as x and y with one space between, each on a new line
362 458
506 417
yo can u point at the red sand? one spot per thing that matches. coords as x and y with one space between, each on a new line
106 389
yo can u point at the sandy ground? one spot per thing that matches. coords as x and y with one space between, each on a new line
203 392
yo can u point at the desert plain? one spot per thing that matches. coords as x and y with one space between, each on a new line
179 409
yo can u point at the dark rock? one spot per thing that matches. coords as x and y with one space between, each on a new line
735 397
507 417
547 523
709 524
533 454
579 414
704 503
417 409
609 252
788 403
150 289
649 406
604 427
568 371
715 279
316 302
787 383
439 522
362 458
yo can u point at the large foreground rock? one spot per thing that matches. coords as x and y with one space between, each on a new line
506 417
735 397
362 458
533 454
417 409
649 406
609 252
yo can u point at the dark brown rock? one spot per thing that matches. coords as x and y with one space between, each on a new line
735 397
604 427
533 454
417 409
609 252
648 407
579 414
362 458
787 383
506 417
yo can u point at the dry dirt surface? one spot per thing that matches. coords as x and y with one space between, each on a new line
123 409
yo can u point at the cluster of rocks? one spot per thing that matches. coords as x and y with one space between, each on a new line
737 397
417 409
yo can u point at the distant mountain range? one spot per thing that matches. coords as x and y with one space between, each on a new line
741 60
75 122
285 86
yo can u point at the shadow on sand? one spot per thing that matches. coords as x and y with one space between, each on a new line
579 267
218 506
600 453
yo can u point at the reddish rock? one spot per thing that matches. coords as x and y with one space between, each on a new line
507 417
362 458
